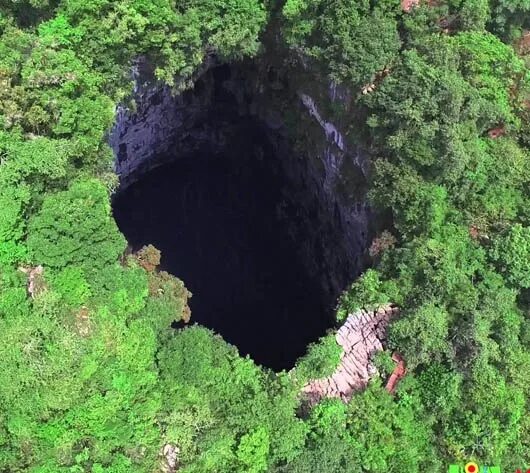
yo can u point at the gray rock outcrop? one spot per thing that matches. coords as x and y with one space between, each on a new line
361 336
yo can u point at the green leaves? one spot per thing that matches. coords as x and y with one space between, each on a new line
244 416
79 358
253 451
75 227
320 360
370 434
12 225
340 35
177 36
94 379
494 69
72 285
509 16
368 291
511 253
422 334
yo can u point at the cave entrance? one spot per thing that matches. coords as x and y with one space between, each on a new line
227 217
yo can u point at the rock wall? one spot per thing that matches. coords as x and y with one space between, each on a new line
161 125
323 167
334 161
362 335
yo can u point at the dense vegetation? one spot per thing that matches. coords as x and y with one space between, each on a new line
93 377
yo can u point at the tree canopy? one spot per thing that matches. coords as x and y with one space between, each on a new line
94 377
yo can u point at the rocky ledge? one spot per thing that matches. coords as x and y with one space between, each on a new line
362 335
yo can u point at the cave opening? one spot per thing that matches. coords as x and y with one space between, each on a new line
219 191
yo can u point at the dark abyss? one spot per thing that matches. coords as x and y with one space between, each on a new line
215 219
246 239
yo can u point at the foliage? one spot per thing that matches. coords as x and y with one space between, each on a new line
176 36
75 227
511 252
372 434
367 291
320 360
340 34
458 199
167 301
93 376
509 16
423 333
247 420
80 385
72 285
82 389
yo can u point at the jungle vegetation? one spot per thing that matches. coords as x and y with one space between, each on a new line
93 377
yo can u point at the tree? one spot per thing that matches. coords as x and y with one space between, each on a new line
12 205
509 16
511 253
94 378
320 360
423 334
75 227
340 35
72 285
241 411
368 291
364 436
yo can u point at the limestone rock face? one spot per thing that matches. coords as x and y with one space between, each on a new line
169 458
361 336
161 125
333 164
36 282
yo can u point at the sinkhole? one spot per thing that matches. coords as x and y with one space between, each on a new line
237 215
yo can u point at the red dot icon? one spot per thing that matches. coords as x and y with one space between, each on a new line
471 467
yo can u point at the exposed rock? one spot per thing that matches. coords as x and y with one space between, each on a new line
408 5
399 372
332 134
522 45
497 132
362 335
162 123
169 460
370 87
35 280
83 323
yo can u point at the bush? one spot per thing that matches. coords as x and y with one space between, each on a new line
75 227
511 254
320 360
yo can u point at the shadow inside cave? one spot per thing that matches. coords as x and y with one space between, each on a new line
243 221
215 218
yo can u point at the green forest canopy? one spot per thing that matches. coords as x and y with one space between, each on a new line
93 377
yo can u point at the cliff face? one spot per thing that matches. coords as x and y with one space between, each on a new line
160 125
326 171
